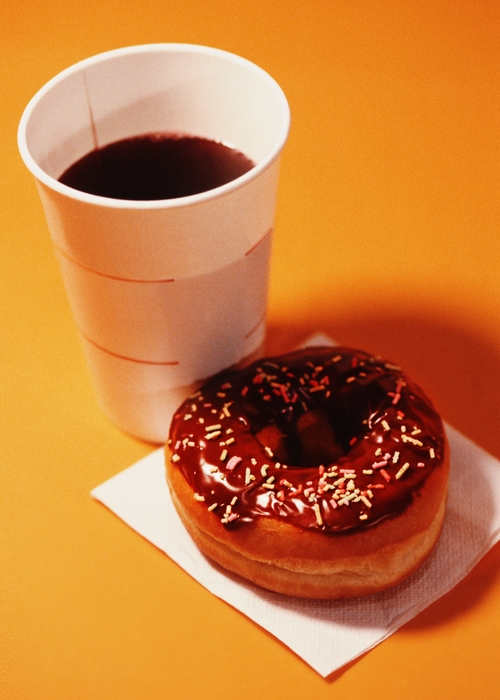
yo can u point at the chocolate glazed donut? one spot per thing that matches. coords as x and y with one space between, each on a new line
322 473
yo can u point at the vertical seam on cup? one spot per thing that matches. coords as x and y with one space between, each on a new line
91 113
256 245
104 274
256 326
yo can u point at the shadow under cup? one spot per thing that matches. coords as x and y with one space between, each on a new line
165 293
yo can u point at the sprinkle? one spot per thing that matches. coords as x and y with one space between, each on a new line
214 469
363 516
268 486
385 425
400 415
395 457
345 500
201 420
249 477
175 458
415 430
232 517
284 394
377 465
233 502
420 464
367 471
403 428
350 379
263 469
229 441
213 506
210 428
225 411
385 475
365 501
400 473
197 497
333 504
233 462
227 385
389 365
211 436
337 358
253 461
280 496
319 387
284 482
352 441
378 452
221 395
432 454
244 391
229 431
191 443
375 486
269 451
270 480
223 455
187 416
414 441
317 512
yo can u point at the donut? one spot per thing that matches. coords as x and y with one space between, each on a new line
322 473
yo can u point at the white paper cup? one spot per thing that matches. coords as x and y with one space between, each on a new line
167 292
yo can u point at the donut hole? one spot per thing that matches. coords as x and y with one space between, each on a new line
310 441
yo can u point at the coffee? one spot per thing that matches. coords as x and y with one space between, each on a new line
156 166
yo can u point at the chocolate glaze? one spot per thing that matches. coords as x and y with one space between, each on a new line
377 419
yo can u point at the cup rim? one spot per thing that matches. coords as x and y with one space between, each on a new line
109 202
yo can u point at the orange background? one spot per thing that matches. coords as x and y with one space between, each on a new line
386 238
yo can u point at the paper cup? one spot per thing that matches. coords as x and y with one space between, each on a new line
156 285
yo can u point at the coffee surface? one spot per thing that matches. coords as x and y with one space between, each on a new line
156 166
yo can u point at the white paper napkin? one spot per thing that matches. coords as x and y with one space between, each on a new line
326 634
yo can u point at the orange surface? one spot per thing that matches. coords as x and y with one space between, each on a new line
386 238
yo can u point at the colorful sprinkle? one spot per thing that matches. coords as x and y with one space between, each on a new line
403 469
